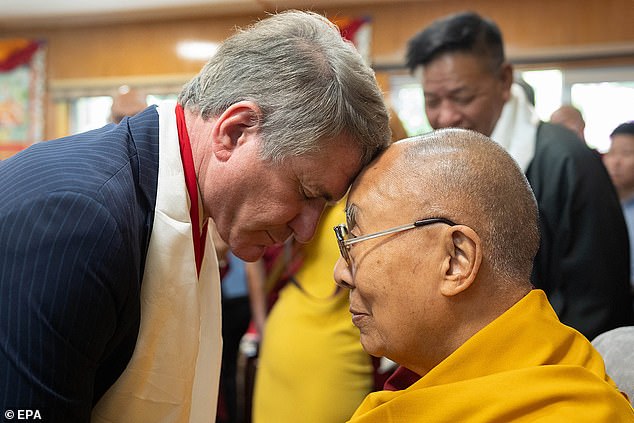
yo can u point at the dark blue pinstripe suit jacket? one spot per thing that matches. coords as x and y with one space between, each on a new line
75 221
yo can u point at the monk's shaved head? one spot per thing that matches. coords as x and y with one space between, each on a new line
464 176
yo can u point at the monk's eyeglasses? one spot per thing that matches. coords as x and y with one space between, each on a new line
345 239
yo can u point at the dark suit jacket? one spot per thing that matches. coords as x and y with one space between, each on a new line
75 220
583 260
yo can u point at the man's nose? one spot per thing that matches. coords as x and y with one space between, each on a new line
343 275
448 115
305 223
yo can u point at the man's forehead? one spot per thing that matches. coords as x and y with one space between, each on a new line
625 139
328 174
454 65
622 144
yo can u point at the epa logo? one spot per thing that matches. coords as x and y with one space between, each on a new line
23 415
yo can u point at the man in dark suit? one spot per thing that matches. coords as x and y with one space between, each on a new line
109 296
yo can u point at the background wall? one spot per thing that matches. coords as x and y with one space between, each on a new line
589 32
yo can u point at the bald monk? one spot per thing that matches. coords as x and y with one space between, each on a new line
437 254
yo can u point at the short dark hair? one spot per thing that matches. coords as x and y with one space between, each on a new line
462 32
626 128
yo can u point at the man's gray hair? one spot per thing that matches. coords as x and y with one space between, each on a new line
311 85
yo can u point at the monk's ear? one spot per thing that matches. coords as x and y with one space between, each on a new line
238 124
464 256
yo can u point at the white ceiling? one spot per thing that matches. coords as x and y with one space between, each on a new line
56 8
18 14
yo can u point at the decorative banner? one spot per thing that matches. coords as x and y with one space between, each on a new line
21 94
359 32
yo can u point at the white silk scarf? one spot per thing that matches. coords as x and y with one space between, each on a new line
174 372
516 129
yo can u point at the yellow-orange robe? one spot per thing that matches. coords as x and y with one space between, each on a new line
524 366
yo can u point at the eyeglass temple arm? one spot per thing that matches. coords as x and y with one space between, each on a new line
378 234
423 222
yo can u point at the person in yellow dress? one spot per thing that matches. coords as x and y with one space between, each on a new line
311 366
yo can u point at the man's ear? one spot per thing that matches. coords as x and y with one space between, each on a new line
235 126
464 248
506 79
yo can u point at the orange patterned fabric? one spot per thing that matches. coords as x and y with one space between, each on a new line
15 52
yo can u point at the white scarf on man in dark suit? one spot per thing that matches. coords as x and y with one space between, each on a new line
174 372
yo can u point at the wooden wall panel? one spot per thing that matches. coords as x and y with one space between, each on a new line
548 31
529 27
120 50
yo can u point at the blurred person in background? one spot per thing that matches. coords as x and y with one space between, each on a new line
109 287
127 102
583 261
619 160
570 117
